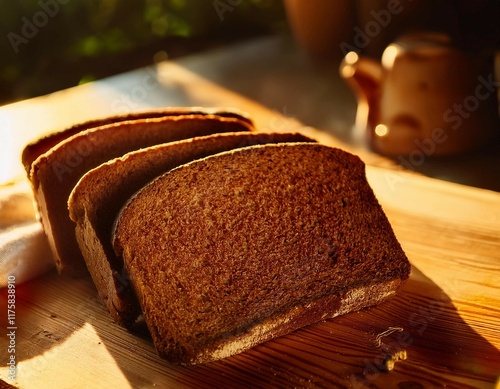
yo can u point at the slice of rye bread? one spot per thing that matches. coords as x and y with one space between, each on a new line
100 194
33 150
55 173
232 250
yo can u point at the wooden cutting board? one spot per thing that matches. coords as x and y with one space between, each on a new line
446 318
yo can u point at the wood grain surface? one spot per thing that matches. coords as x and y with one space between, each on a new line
446 318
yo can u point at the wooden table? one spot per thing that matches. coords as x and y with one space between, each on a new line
446 318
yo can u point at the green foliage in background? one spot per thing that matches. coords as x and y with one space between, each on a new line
48 45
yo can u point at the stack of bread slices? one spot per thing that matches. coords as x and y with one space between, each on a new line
221 237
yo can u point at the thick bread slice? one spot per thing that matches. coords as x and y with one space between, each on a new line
33 150
55 173
232 250
100 194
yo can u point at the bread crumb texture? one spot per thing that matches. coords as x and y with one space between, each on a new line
219 246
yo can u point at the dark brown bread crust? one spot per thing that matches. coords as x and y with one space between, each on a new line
55 173
100 194
33 150
234 249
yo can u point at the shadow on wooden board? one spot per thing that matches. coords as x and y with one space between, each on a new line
350 351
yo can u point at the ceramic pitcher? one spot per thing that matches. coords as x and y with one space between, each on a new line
426 95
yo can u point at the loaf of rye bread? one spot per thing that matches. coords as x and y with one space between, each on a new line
237 248
54 173
100 194
33 150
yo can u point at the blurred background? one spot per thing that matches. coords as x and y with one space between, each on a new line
48 45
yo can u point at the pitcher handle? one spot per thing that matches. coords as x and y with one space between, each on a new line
364 76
